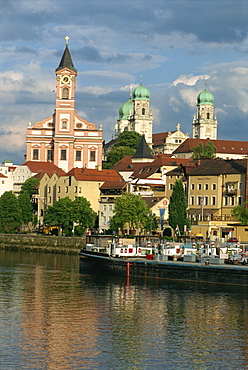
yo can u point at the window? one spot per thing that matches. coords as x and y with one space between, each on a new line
66 189
104 207
143 111
50 155
213 201
192 200
240 185
213 186
110 207
232 201
225 201
63 154
92 155
206 186
206 201
75 189
64 124
171 186
49 199
49 189
239 201
208 115
199 201
65 93
35 154
192 186
58 189
78 155
199 186
79 189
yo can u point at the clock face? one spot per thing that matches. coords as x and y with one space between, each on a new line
65 79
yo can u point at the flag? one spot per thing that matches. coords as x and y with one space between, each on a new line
177 230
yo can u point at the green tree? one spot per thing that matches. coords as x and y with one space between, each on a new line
126 144
117 153
131 211
178 208
26 207
10 213
204 151
30 186
83 215
60 214
130 139
67 213
241 213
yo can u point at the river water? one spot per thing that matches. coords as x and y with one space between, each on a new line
55 315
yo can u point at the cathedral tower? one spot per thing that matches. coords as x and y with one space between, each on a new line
205 121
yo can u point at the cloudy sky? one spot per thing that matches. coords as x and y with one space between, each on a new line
176 46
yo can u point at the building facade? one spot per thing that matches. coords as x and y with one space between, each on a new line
64 138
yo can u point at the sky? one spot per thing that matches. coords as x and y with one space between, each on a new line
176 48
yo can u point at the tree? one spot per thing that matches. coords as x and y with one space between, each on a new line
60 214
126 144
25 207
131 211
117 153
178 208
204 151
241 213
84 216
130 139
30 185
10 214
67 213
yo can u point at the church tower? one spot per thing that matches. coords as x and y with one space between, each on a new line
205 121
135 114
64 138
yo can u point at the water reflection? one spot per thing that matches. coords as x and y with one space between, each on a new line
55 316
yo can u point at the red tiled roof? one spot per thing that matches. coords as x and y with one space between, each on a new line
1 175
159 139
86 174
113 185
222 146
45 167
146 169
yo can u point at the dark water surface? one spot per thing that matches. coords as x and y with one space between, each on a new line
55 316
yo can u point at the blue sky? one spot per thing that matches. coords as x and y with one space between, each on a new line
176 46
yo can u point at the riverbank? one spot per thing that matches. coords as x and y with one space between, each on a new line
41 243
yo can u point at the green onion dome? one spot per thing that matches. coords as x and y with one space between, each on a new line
125 109
141 93
205 97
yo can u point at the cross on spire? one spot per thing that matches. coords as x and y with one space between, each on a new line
67 38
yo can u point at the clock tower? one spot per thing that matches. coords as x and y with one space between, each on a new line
64 138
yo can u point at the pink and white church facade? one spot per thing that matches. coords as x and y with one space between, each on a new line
64 138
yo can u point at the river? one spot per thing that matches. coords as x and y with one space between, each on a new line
56 314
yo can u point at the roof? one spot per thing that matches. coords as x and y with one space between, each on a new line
146 169
220 166
143 150
86 174
222 146
159 139
44 167
114 185
152 201
66 61
3 176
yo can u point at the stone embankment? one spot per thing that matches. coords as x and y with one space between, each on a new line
41 243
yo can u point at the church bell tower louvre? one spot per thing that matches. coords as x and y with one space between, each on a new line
64 138
205 122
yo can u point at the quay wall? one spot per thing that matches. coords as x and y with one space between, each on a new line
41 243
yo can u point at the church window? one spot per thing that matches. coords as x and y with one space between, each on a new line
79 125
92 155
64 124
65 93
143 111
208 115
63 154
49 155
78 155
36 154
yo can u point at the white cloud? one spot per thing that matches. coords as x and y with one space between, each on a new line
189 79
